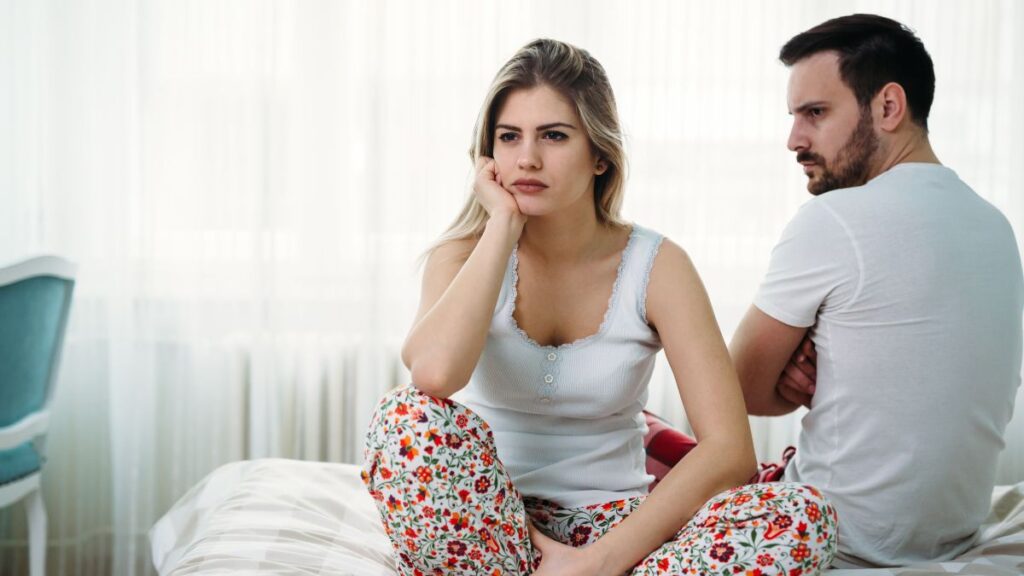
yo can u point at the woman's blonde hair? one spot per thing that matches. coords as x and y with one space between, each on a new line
579 77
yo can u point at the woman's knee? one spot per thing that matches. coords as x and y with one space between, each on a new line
408 408
409 426
811 518
784 506
805 500
801 515
782 525
811 508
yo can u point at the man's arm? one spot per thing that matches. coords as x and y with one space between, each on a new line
775 364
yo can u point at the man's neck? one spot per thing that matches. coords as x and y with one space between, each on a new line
910 148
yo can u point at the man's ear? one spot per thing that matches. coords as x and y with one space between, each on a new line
890 105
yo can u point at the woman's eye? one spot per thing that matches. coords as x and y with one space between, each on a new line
555 135
507 136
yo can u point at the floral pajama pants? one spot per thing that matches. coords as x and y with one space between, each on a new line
449 507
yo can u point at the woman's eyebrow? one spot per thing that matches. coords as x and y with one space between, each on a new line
511 128
542 127
555 125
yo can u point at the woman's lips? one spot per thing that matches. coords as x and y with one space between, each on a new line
529 186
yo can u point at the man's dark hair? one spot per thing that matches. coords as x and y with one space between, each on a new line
873 51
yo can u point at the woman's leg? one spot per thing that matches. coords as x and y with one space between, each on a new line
579 526
776 528
446 501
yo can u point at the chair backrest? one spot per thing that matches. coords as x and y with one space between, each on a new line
35 298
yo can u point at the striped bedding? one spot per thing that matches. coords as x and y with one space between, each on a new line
276 516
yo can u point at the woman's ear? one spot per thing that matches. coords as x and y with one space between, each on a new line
601 167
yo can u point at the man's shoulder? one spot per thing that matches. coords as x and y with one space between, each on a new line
902 193
819 215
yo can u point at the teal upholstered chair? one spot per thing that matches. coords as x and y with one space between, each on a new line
35 296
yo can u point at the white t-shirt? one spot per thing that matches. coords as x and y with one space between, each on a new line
912 287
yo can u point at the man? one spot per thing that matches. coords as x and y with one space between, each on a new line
891 307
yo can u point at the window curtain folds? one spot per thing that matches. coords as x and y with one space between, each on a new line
246 187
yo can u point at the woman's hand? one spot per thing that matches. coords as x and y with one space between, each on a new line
494 198
557 559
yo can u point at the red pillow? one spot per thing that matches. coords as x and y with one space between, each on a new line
665 446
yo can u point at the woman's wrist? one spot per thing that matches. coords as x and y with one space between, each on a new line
601 555
506 225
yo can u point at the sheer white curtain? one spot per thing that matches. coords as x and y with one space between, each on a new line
246 186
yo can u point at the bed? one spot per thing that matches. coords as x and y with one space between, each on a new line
275 516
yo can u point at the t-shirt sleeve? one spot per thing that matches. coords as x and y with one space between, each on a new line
813 267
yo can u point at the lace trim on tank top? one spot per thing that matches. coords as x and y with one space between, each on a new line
612 300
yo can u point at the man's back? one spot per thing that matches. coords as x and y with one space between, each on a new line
913 286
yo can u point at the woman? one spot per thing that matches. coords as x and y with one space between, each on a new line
544 310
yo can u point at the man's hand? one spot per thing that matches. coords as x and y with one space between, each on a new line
763 350
798 379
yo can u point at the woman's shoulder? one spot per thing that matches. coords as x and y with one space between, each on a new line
672 255
638 228
660 241
672 272
648 235
667 261
660 247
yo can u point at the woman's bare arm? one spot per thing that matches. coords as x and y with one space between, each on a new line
679 309
461 282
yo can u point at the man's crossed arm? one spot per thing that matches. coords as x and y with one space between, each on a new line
776 364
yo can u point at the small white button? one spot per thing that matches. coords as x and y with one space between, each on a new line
545 400
552 356
549 378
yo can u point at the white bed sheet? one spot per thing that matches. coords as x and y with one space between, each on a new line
275 516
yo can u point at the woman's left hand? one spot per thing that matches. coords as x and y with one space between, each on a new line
558 559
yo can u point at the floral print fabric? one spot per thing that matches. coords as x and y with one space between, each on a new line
449 507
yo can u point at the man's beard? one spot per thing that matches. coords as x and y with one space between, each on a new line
852 162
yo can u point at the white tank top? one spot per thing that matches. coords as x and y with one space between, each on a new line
567 419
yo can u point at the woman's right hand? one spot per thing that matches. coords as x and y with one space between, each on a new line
494 198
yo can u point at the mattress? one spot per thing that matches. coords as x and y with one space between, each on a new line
275 516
